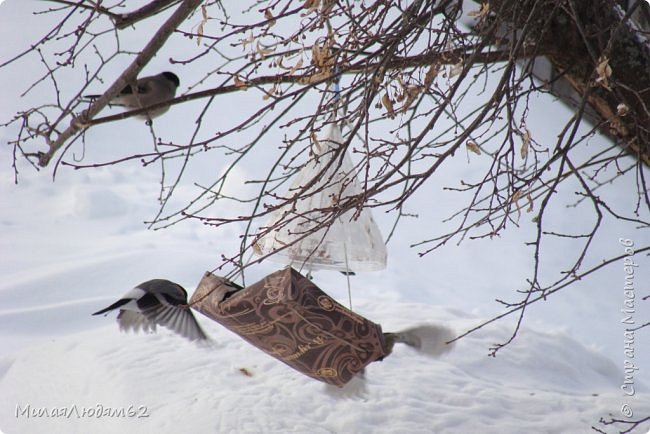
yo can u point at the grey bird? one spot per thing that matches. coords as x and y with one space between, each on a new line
148 91
156 302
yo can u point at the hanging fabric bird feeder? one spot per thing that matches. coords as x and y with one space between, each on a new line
287 316
351 243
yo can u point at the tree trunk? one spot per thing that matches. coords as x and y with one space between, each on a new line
598 52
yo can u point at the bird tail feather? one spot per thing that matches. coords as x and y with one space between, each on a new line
118 303
429 339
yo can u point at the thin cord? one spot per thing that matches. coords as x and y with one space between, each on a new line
337 96
347 268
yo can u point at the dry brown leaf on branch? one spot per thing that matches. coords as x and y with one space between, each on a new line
321 55
525 143
379 75
257 248
530 203
327 7
311 6
316 146
199 30
412 93
316 56
295 67
292 69
262 51
269 16
456 69
270 93
604 72
472 146
431 75
482 13
515 199
279 63
239 82
388 104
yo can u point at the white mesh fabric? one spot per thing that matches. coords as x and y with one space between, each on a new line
347 245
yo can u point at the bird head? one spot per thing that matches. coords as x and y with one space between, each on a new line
172 77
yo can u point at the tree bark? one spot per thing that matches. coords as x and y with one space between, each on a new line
598 48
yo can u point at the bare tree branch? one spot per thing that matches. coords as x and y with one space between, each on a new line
128 76
547 293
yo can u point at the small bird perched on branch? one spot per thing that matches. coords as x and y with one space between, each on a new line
156 302
148 91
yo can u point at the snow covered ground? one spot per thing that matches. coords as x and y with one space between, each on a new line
549 384
71 247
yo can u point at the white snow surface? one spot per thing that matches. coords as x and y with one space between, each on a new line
74 246
71 247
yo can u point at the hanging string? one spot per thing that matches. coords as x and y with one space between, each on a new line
337 98
347 267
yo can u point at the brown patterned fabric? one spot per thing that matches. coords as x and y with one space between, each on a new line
291 319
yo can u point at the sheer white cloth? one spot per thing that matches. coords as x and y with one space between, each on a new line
349 244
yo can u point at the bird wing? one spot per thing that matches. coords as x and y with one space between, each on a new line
127 90
177 319
144 87
132 320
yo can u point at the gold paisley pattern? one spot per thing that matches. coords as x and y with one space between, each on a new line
287 316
